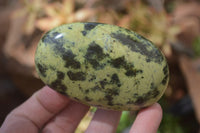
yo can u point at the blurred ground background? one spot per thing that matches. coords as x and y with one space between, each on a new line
173 25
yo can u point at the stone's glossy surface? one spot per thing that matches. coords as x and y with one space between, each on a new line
102 65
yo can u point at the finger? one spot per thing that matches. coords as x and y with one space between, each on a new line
148 120
35 112
67 120
104 121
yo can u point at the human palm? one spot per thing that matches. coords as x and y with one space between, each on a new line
50 112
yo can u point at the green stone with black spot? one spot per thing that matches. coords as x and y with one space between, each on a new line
102 65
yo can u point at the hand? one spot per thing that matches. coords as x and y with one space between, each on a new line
51 112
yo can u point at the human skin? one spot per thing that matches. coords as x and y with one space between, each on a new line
48 111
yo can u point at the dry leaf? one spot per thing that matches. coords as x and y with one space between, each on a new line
191 72
84 14
48 23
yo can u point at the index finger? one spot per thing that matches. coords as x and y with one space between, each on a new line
148 120
36 111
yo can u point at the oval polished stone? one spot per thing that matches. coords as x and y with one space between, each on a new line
102 65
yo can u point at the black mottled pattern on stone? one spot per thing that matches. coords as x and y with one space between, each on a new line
139 102
80 88
94 55
57 85
164 81
113 91
165 70
76 76
45 37
84 33
88 99
154 93
118 62
133 72
152 86
49 38
103 83
93 77
110 93
110 102
57 46
63 93
94 50
142 99
109 98
87 91
96 88
153 55
141 37
60 75
52 68
68 57
115 80
42 69
77 99
95 64
90 26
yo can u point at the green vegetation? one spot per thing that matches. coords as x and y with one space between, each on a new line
196 46
126 120
170 124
